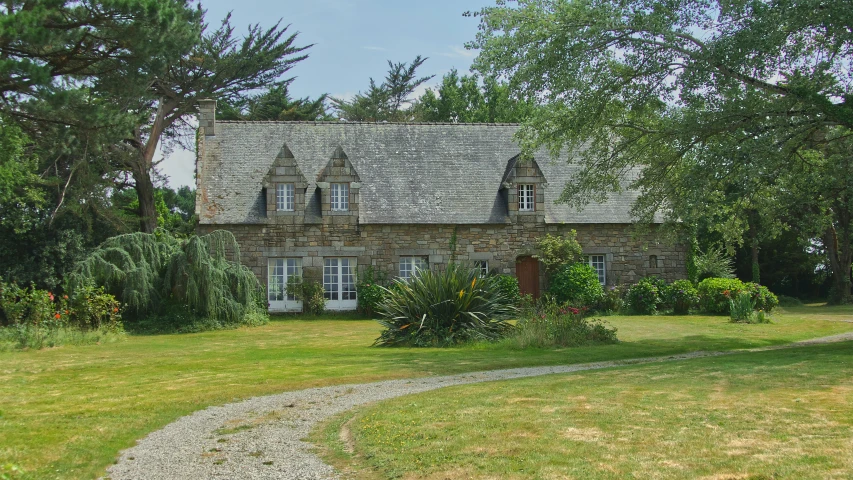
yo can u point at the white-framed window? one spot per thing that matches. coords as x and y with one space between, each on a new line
597 264
526 198
284 197
482 267
339 283
280 271
340 197
409 266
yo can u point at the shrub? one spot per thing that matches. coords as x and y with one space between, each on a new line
310 292
576 284
444 308
369 290
762 296
507 285
92 308
715 293
682 296
555 252
613 299
556 325
644 297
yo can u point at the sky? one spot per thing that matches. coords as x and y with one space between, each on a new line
353 41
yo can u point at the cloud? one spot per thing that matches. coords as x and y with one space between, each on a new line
378 49
459 52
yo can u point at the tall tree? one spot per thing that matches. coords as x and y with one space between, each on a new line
220 65
274 104
465 100
669 86
43 40
389 101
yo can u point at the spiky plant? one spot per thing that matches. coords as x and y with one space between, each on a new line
444 308
148 272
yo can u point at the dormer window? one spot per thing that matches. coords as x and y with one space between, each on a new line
526 198
284 194
340 197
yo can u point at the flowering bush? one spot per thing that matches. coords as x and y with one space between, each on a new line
715 294
762 296
682 296
645 296
613 299
551 324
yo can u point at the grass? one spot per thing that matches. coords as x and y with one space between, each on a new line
67 412
767 415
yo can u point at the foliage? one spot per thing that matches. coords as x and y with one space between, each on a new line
644 297
742 310
33 318
763 298
309 292
613 299
556 324
729 114
19 192
465 100
715 293
175 208
576 284
442 308
682 295
714 263
274 104
150 272
80 39
507 285
556 251
387 101
369 289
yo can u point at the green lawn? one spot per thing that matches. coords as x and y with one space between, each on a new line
66 412
766 415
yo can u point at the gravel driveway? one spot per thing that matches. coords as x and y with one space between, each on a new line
260 438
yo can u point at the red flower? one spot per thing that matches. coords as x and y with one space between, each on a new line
57 316
50 296
115 309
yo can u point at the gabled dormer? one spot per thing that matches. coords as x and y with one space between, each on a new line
524 185
285 186
339 184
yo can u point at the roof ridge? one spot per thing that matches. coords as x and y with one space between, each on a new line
330 122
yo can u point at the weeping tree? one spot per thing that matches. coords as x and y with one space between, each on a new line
149 272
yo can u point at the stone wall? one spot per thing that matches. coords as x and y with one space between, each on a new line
627 256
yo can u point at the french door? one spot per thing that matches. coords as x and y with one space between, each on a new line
339 283
280 270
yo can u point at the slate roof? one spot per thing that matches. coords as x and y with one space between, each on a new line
410 173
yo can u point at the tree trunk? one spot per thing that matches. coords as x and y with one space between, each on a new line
840 259
145 193
753 237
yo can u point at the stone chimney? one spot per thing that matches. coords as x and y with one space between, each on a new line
207 116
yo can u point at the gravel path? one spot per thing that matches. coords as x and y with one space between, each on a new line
260 438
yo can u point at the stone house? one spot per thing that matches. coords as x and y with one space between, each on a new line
325 200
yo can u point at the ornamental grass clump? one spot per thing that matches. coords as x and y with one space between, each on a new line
437 309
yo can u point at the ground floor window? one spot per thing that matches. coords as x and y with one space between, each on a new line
597 264
482 267
339 283
409 266
279 272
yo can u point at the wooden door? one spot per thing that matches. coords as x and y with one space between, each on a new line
527 272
